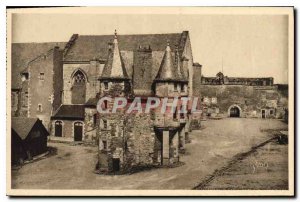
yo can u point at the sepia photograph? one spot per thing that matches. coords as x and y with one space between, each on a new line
150 101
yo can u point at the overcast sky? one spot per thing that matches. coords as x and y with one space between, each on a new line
245 45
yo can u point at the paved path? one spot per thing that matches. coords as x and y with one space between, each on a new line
211 148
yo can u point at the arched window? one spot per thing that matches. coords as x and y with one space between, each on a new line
78 87
78 78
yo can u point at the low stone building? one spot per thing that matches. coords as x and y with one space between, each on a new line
28 139
224 96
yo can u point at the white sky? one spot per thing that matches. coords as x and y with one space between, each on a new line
250 45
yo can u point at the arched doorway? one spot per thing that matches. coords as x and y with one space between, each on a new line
58 129
234 111
78 87
78 130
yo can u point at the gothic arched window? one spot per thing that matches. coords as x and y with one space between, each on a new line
78 78
78 87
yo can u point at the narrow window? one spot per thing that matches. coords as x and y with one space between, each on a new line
175 87
42 76
106 85
105 124
25 99
95 119
104 145
182 87
40 107
105 104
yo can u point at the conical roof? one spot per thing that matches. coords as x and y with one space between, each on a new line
114 67
167 70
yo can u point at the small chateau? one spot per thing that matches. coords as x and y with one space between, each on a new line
61 84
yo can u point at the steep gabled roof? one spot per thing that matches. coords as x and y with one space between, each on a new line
22 53
22 126
87 47
114 67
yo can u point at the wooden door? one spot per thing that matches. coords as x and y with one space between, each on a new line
78 131
116 164
58 129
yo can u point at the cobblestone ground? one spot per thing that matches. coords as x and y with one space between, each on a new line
211 148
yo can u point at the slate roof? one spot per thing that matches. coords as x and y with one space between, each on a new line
87 47
74 112
23 125
22 53
92 102
114 66
167 70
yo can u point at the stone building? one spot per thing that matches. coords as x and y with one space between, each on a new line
84 61
135 140
224 96
36 81
61 86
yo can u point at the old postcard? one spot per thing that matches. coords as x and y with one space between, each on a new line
150 101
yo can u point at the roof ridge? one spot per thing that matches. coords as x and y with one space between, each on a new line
81 35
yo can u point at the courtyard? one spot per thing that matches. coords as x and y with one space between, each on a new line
211 148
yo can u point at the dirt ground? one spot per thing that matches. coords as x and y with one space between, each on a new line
211 148
266 168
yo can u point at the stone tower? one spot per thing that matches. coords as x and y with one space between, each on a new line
169 84
114 84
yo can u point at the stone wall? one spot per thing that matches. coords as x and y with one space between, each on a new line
91 125
40 87
67 129
91 71
129 138
142 69
57 78
217 99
